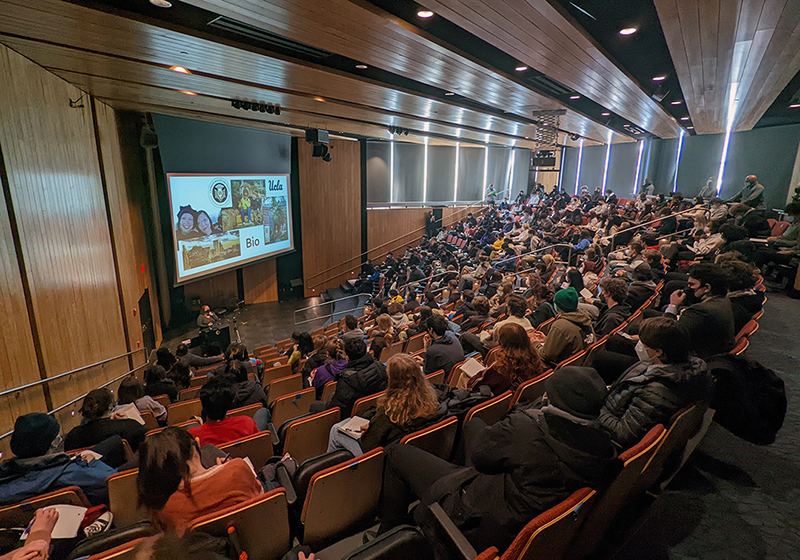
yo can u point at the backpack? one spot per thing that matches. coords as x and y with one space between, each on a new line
749 399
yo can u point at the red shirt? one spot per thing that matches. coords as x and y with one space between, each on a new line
224 431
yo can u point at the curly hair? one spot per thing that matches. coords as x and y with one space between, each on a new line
516 354
409 394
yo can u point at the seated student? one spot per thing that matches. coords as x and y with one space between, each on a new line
350 328
571 332
408 405
383 328
664 380
362 376
399 318
517 309
40 465
745 301
516 469
542 305
515 361
305 345
193 360
442 348
249 392
217 397
333 366
180 375
37 545
318 357
465 307
235 352
615 311
98 423
132 391
481 306
156 383
709 321
175 487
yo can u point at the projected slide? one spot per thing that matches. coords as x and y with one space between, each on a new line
223 221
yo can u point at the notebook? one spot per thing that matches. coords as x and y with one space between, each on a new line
68 524
131 412
353 427
472 367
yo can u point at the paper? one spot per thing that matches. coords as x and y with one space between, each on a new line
353 427
758 240
90 455
472 367
586 294
68 524
131 412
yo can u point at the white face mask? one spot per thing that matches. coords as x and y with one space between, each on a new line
641 353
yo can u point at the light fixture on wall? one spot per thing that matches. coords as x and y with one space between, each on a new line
319 143
269 108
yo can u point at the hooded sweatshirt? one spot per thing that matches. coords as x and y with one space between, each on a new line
569 334
443 353
649 394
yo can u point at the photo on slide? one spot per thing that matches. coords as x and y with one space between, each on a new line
275 222
247 199
212 249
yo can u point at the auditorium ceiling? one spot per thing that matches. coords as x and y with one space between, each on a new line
474 71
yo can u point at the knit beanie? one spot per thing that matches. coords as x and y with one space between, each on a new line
566 300
577 390
33 434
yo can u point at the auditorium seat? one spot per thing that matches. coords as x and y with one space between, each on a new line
122 501
437 439
261 525
248 410
492 410
328 391
125 551
613 498
272 373
257 447
364 403
545 326
163 400
780 228
576 359
307 437
741 346
150 422
284 386
291 406
183 411
437 377
18 515
198 381
415 343
748 330
341 499
392 350
530 390
455 374
188 394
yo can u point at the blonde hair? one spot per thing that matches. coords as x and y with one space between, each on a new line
384 322
409 394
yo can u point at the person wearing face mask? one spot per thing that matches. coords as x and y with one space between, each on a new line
709 320
664 380
752 194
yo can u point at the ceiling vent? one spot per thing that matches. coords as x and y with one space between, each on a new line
266 39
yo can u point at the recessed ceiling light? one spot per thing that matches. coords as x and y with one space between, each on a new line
794 106
521 68
574 96
161 3
628 31
684 118
689 128
425 14
188 92
676 102
361 66
321 100
659 78
179 69
605 114
449 93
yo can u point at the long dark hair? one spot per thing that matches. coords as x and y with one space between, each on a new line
163 465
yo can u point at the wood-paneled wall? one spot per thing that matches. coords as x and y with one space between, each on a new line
65 295
330 205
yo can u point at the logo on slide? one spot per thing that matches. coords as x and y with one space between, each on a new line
219 192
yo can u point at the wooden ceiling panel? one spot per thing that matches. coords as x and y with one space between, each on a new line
538 35
717 43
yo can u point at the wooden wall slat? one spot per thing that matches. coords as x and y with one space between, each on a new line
261 282
330 204
54 181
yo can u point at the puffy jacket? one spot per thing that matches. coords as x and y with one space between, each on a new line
361 377
611 317
21 479
649 394
567 335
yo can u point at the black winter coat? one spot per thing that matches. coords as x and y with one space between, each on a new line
610 318
523 465
360 378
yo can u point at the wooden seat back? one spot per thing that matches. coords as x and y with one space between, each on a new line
308 437
273 373
257 447
362 404
122 499
530 390
183 411
293 405
492 410
285 386
437 439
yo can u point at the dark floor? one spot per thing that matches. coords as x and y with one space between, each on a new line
733 499
267 323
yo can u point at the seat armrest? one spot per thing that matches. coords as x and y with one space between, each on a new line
449 535
273 434
286 481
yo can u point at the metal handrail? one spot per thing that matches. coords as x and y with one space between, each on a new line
72 372
73 401
413 232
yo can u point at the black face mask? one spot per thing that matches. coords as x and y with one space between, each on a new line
691 299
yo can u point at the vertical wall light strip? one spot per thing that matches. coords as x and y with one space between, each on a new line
485 171
510 172
638 167
678 162
455 182
578 170
391 172
605 167
560 187
728 130
425 173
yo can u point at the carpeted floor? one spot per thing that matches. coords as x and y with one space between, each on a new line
733 499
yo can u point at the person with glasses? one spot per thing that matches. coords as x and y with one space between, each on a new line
40 465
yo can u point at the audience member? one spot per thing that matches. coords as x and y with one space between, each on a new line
193 360
132 391
99 424
363 375
570 333
442 348
515 360
615 311
157 384
217 397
